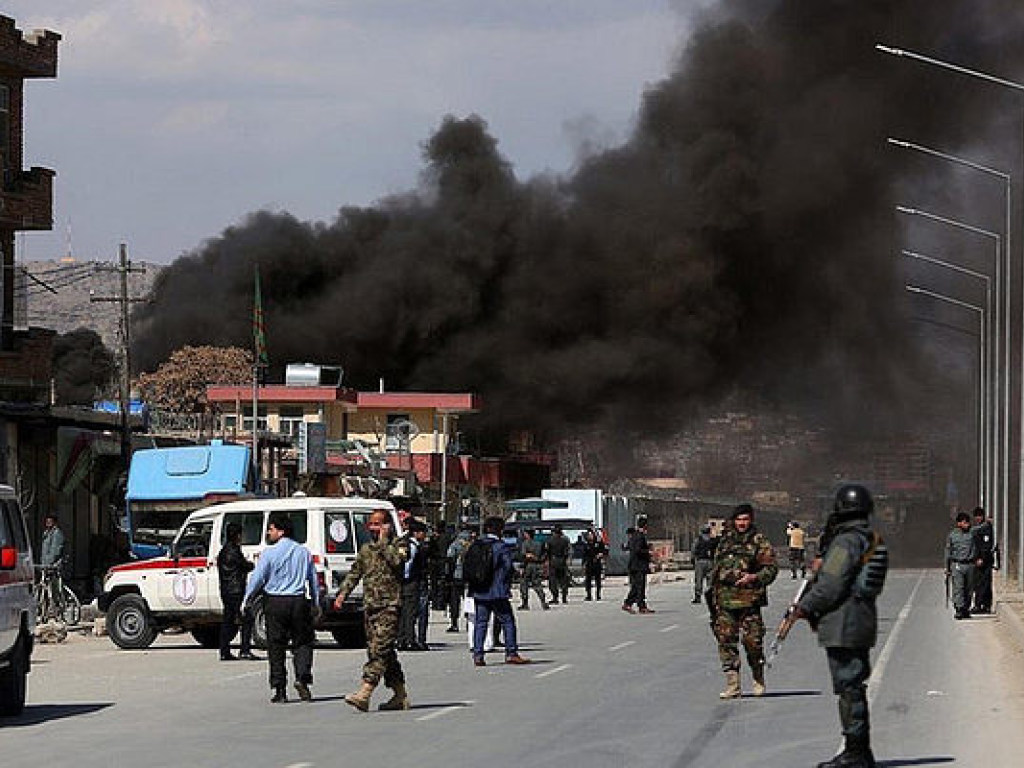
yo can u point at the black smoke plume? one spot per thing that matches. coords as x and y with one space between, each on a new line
742 239
83 367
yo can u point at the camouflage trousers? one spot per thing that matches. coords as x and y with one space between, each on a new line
728 625
381 640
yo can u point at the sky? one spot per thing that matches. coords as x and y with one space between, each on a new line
170 120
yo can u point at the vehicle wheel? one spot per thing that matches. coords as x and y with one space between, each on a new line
130 624
207 636
12 680
259 625
354 637
72 607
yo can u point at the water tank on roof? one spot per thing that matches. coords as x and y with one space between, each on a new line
310 375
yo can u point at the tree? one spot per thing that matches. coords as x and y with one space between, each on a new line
82 367
179 384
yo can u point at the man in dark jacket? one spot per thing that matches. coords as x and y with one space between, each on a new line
984 544
703 555
496 597
639 566
840 605
414 590
233 568
595 552
559 550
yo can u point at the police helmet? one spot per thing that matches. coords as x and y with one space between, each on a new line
853 501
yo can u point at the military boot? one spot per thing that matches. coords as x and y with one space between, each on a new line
759 686
361 698
400 699
858 758
732 685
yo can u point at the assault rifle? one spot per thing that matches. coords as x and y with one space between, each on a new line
788 620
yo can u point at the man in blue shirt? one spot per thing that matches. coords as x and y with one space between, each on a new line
495 598
285 572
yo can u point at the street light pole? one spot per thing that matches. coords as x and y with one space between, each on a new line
1003 328
993 498
1019 89
982 384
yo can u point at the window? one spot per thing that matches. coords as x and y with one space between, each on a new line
252 527
290 417
298 525
261 418
195 540
338 533
397 438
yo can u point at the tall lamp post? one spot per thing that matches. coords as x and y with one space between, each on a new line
1019 89
994 500
983 390
1004 328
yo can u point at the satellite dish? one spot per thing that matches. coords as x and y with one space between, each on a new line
405 430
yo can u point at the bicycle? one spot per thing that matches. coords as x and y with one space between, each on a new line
54 598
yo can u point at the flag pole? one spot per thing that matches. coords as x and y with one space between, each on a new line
259 360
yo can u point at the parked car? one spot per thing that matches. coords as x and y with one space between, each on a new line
143 598
17 607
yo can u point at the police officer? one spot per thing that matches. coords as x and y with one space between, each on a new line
984 541
840 606
533 553
744 567
703 555
961 554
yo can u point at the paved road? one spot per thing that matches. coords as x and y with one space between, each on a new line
608 689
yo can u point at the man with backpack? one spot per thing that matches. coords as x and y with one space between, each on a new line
487 569
840 606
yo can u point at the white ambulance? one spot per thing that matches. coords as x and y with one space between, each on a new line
145 597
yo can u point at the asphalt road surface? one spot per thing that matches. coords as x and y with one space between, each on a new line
606 689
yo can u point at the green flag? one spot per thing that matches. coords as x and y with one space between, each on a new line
258 331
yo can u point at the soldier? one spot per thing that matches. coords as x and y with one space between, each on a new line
533 553
840 606
559 549
703 555
639 566
961 555
595 551
744 567
984 541
379 565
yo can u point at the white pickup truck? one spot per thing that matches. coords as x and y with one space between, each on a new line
145 597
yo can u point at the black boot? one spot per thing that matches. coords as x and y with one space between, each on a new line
280 696
859 758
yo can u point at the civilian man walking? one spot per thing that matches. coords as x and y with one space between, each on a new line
285 572
495 597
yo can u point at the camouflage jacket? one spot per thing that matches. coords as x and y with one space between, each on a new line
739 554
379 565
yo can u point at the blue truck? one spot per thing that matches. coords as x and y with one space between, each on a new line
166 484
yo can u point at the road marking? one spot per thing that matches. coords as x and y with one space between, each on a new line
669 628
444 711
300 765
552 671
620 646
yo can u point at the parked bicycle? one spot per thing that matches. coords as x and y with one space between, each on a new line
55 600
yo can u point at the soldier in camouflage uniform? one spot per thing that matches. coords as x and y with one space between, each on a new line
379 565
744 567
533 554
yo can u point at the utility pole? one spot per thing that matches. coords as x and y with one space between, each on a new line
123 268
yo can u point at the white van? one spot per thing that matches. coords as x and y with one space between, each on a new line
145 597
17 606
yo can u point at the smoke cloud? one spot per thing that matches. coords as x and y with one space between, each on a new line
742 239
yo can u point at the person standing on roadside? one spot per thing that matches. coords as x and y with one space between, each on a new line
495 597
840 607
286 575
595 552
797 551
639 566
703 555
51 551
559 551
961 555
744 567
232 570
379 565
414 590
984 542
457 588
533 553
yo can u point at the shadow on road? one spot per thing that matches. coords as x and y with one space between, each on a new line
781 694
915 761
44 713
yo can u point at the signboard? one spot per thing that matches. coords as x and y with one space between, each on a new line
312 448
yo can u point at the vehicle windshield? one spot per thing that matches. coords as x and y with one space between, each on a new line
158 522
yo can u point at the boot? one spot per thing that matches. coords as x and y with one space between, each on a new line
400 699
759 686
280 695
732 685
851 757
361 698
